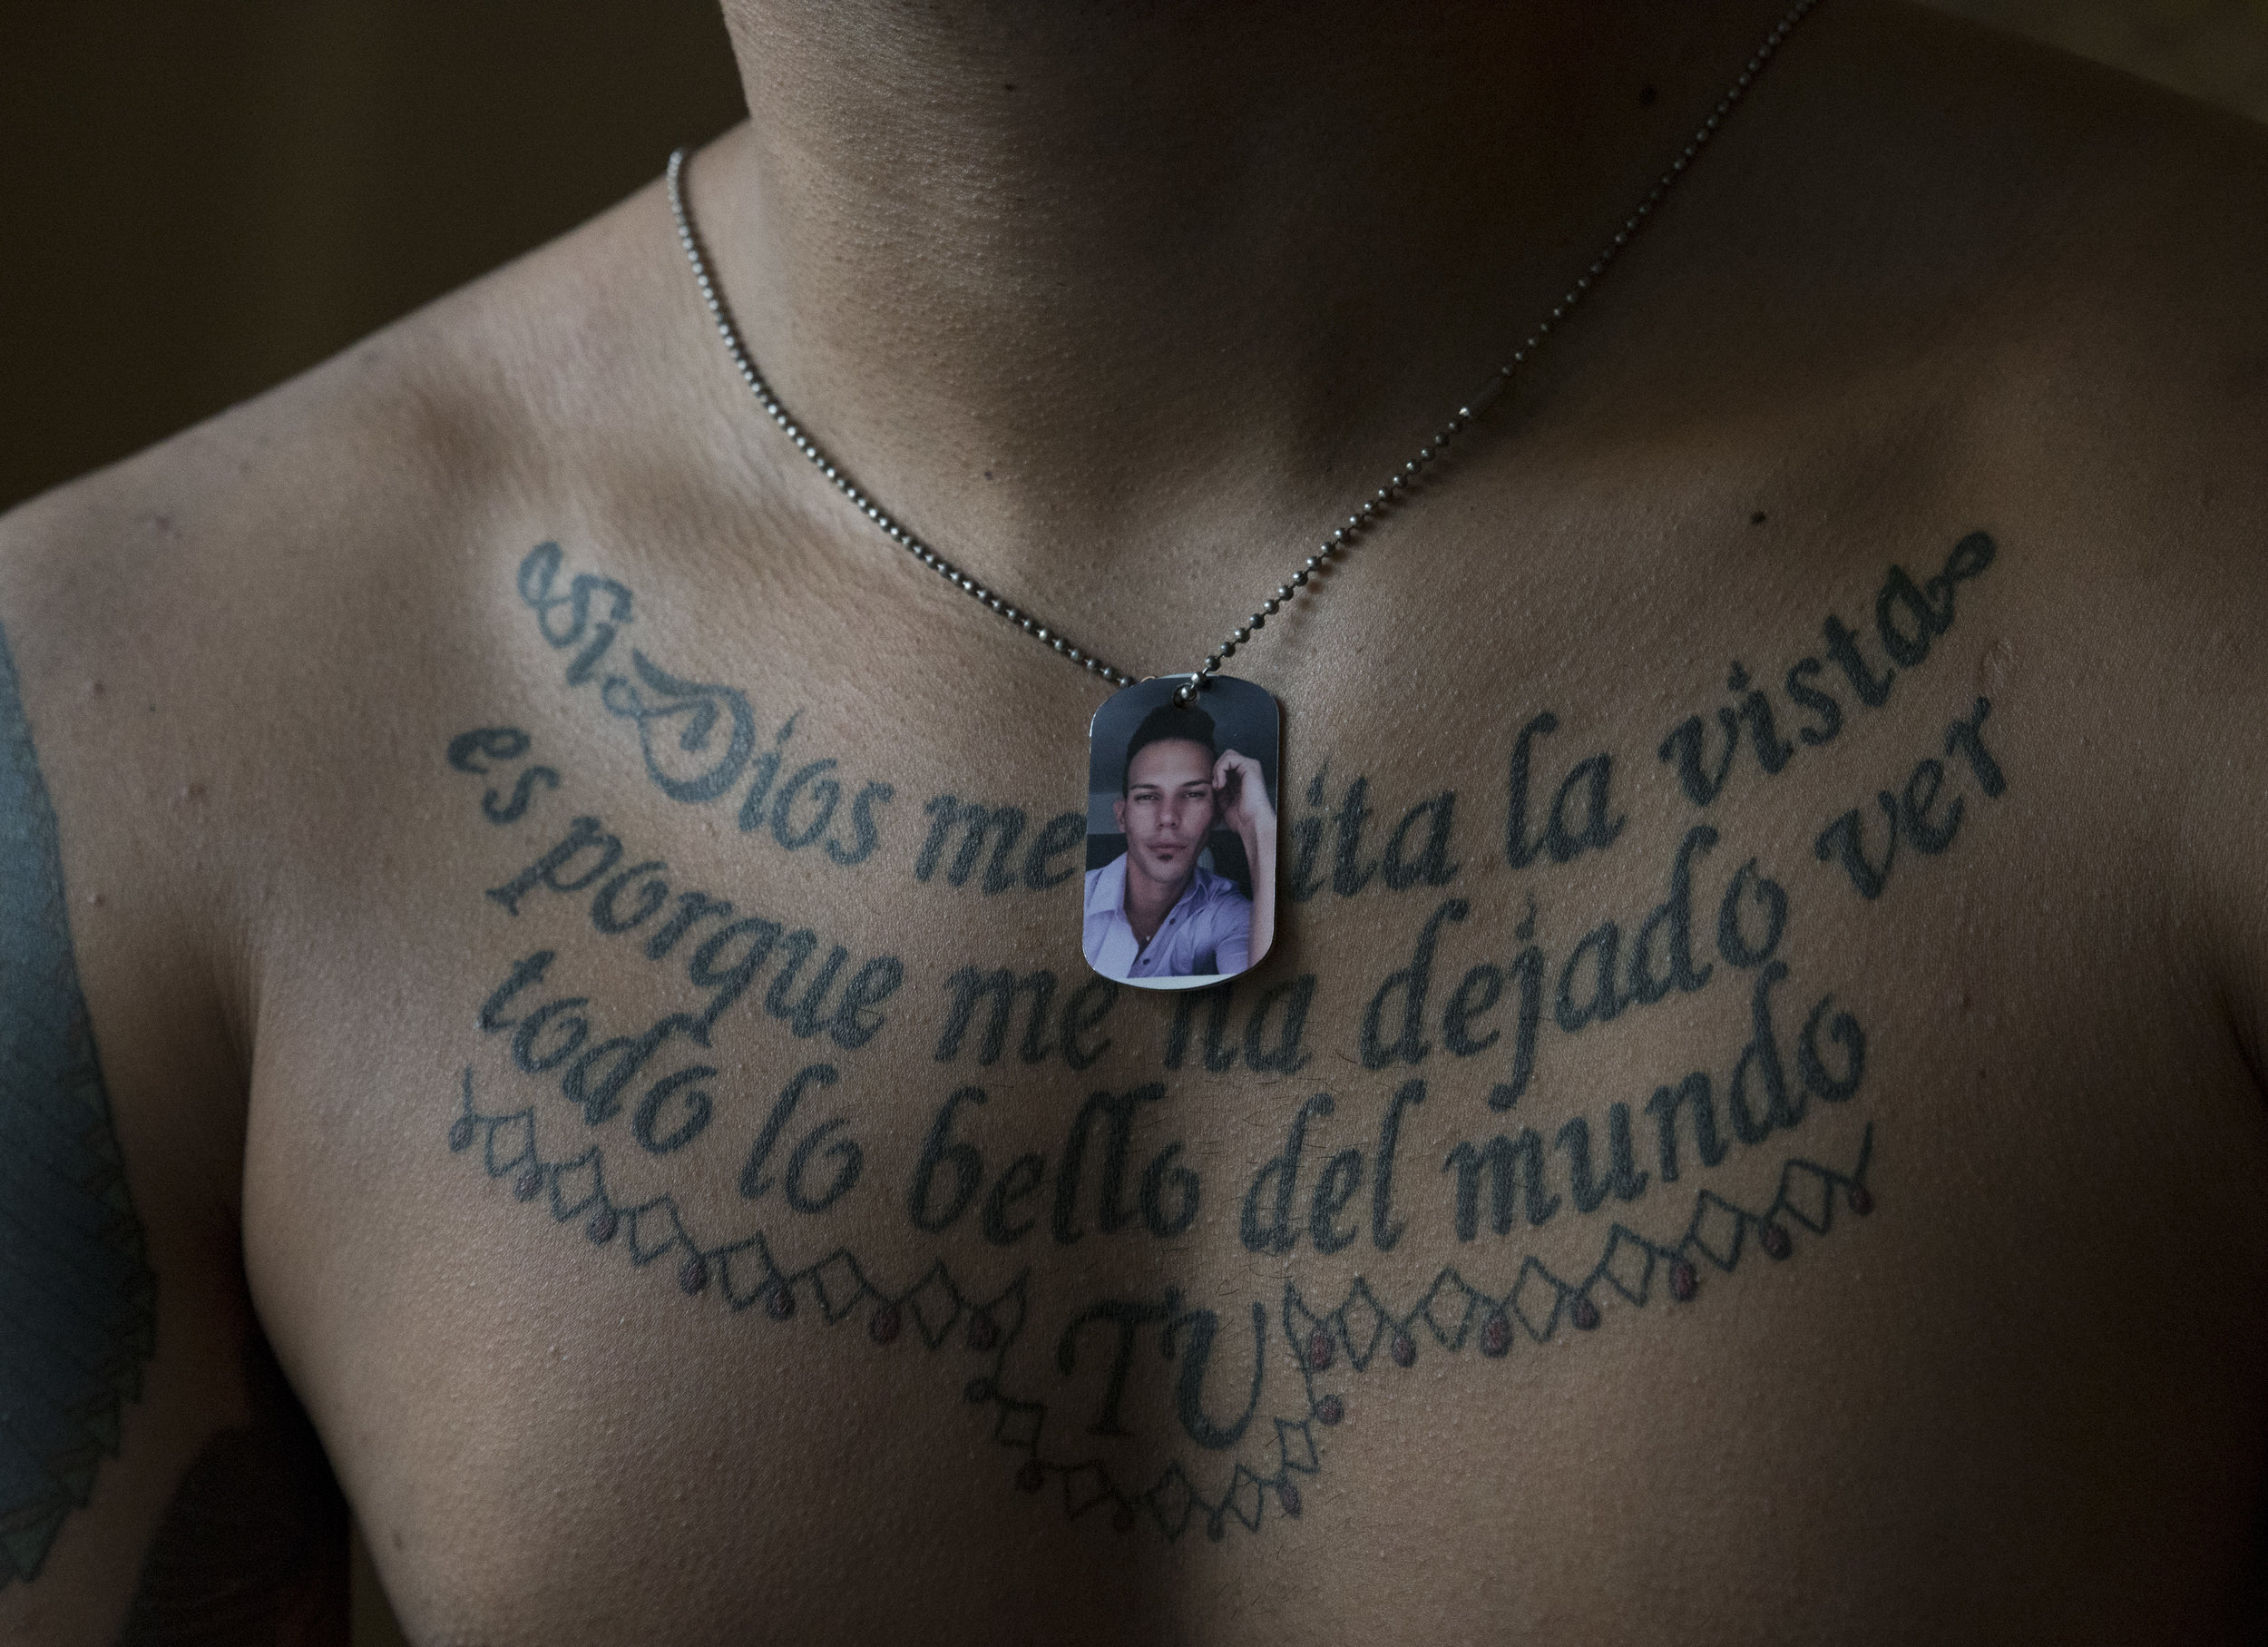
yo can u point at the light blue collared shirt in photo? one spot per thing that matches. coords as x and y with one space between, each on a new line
1205 936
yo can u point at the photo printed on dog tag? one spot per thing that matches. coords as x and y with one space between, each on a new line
1181 833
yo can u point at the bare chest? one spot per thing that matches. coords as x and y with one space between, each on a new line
775 1157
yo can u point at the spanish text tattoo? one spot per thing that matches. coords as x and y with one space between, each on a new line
1161 1321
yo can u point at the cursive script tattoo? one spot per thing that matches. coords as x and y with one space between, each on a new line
1435 1172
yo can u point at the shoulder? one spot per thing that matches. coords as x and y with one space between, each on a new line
2068 270
2006 288
2074 255
1935 279
198 626
2051 252
2049 285
217 645
221 640
489 391
1990 228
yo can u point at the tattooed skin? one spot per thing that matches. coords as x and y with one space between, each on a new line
1748 1127
77 1305
1407 1213
253 1544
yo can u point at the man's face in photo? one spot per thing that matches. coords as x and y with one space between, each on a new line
1168 809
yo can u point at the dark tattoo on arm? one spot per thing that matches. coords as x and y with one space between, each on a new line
76 1294
252 1547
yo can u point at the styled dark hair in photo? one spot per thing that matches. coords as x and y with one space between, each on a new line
1166 723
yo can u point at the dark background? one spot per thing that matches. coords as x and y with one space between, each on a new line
199 199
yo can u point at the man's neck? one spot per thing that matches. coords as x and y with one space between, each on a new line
1085 282
1148 901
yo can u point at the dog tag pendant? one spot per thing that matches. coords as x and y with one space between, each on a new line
1181 832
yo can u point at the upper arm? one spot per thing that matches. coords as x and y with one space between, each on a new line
156 1477
77 1298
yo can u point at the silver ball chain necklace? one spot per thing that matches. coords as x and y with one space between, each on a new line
1341 537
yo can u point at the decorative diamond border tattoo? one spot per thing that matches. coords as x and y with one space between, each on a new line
1451 1314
